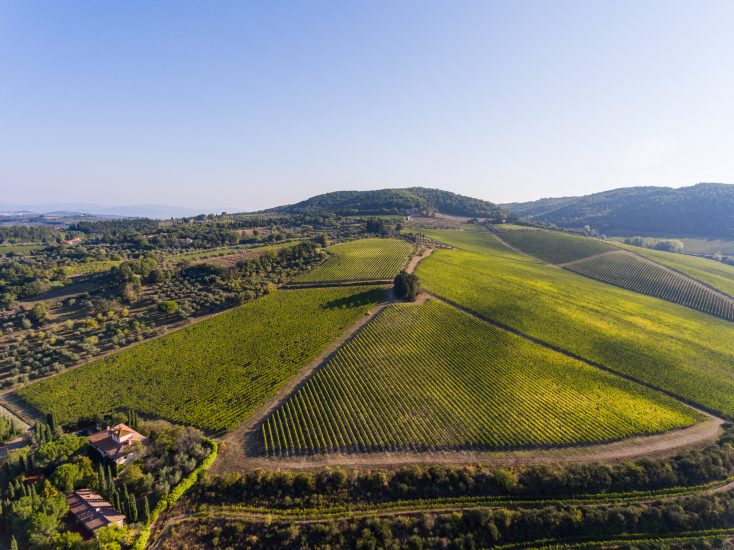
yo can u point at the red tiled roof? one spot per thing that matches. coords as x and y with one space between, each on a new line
104 441
92 511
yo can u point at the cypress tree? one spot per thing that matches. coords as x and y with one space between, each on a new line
11 491
146 510
132 509
117 502
51 419
101 480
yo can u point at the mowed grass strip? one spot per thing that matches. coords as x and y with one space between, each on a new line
635 273
431 376
216 372
554 247
687 353
716 274
362 260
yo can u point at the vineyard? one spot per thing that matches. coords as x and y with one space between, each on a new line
674 348
554 247
430 376
88 268
214 373
362 260
634 273
716 274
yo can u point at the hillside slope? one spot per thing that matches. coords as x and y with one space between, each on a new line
395 201
704 209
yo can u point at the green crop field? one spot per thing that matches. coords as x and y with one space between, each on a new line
554 247
362 260
19 249
216 372
431 376
634 273
669 346
90 267
715 274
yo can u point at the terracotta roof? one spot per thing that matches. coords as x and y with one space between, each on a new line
107 441
92 511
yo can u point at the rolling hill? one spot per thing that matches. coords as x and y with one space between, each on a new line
699 210
396 201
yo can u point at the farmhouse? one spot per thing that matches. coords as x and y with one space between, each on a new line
93 512
118 443
72 242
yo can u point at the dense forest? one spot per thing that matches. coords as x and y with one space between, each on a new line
396 201
700 210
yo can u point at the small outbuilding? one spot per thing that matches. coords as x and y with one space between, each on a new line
93 512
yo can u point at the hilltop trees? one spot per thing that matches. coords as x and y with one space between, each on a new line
407 286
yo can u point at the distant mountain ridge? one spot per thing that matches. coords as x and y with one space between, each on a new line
154 211
395 201
704 209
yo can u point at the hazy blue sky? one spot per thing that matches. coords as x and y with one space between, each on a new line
244 105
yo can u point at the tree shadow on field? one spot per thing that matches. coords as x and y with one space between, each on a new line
363 298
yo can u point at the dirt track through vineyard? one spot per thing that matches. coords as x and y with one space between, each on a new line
240 450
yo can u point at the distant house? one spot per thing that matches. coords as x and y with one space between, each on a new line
72 242
92 511
117 443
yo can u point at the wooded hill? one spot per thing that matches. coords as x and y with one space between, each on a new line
396 201
704 209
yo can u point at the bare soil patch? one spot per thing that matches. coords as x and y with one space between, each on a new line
697 436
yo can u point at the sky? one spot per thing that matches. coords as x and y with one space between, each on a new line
239 106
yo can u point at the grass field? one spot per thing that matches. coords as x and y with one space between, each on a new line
634 273
669 346
554 247
715 274
362 260
431 376
216 372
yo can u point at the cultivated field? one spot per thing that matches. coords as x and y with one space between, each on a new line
554 247
634 273
666 345
216 372
362 260
715 274
430 376
90 267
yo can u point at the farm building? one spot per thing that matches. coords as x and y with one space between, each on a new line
93 512
118 443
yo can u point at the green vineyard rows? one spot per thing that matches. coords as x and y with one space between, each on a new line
216 372
430 376
680 350
554 247
362 260
716 274
634 273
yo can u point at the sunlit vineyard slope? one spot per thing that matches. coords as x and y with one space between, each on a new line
362 260
214 373
431 376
